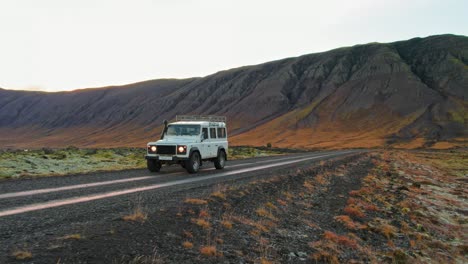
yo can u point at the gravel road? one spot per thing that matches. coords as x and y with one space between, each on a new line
35 210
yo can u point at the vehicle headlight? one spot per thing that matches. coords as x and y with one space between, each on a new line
182 149
152 148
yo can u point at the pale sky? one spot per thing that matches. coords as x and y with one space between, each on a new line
54 45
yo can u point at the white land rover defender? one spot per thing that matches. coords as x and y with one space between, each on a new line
190 141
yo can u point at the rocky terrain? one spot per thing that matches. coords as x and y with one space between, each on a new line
403 94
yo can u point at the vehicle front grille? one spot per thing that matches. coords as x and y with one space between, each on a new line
166 150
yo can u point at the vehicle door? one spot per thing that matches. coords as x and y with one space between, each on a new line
205 142
222 138
212 146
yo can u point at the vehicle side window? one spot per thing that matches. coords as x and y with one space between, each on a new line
212 132
205 133
221 132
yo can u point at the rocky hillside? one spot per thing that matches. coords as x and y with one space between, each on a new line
405 94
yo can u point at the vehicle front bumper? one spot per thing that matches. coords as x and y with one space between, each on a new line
174 158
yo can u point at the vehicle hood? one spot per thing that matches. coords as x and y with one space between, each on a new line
177 140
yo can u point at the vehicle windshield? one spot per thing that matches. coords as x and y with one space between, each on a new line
183 130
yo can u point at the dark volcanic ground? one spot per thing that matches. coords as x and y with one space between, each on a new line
170 221
42 232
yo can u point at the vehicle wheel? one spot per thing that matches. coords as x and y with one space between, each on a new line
153 165
220 160
193 164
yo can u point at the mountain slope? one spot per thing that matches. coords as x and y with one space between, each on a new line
408 92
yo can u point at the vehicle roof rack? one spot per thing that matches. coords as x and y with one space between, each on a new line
210 118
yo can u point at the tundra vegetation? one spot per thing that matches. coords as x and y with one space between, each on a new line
73 160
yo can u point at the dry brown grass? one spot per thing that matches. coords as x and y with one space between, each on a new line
388 230
309 185
22 254
321 179
260 226
72 237
202 223
137 216
195 201
270 205
354 211
288 196
187 244
341 240
208 251
188 234
349 223
361 192
262 212
327 251
219 195
226 224
204 214
282 202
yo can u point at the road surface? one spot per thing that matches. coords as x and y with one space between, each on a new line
35 209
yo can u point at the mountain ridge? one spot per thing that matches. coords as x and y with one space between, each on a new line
415 89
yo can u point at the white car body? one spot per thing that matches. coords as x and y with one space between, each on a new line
182 138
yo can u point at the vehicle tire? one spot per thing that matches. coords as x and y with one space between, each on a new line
220 160
153 165
192 165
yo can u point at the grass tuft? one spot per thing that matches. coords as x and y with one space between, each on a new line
187 244
137 216
227 224
354 211
22 254
202 223
388 230
204 214
195 201
72 237
208 251
349 223
219 195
